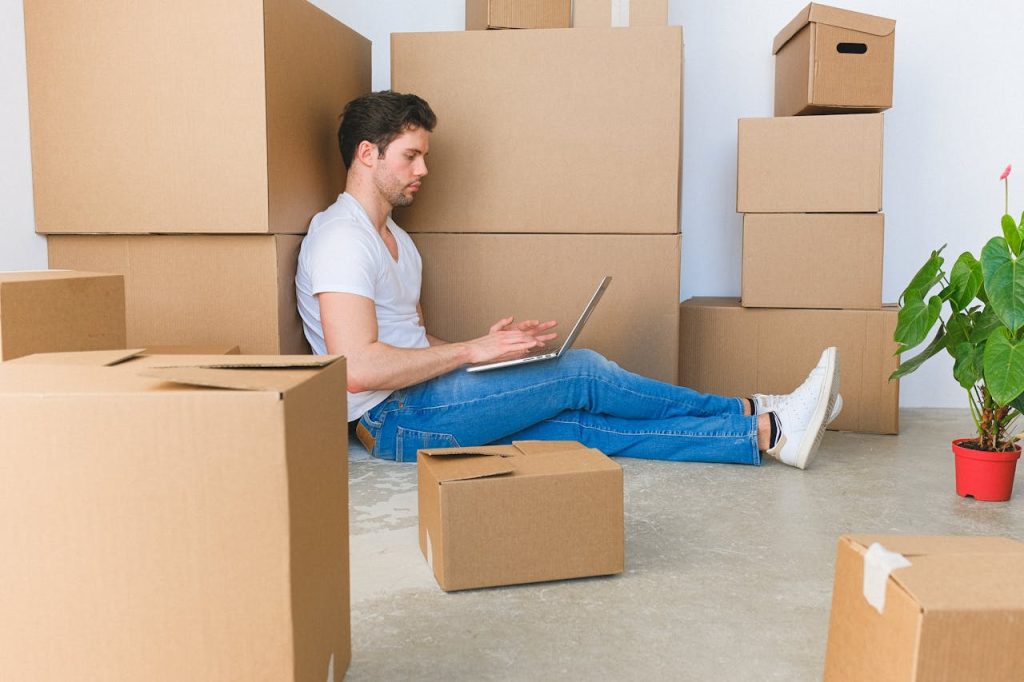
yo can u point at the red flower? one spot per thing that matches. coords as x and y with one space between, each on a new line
1006 172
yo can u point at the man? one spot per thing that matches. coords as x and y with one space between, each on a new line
358 286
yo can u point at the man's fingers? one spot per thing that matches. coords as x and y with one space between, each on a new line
501 324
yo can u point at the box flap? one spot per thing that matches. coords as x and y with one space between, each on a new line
833 16
93 358
48 275
241 372
537 447
922 545
461 464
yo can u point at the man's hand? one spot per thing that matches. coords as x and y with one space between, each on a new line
505 340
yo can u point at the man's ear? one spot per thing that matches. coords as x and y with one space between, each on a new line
366 153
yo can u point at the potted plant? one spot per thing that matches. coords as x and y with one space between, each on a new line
979 314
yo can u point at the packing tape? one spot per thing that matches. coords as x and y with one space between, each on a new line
878 564
620 13
430 553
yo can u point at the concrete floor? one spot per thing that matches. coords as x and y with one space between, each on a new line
728 568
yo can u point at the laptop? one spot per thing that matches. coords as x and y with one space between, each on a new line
544 352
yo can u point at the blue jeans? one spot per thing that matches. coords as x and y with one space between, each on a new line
581 396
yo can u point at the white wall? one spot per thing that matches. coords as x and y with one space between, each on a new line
955 124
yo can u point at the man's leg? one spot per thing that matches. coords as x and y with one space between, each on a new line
473 409
724 438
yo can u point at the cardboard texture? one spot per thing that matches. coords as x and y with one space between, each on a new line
731 350
810 164
844 272
832 60
619 13
199 289
205 537
52 310
956 613
187 117
484 14
537 130
521 513
468 285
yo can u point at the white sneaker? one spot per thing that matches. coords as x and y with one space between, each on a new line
802 413
768 402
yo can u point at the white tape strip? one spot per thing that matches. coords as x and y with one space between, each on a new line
878 564
430 553
620 13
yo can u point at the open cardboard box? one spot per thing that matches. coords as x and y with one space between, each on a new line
520 513
174 518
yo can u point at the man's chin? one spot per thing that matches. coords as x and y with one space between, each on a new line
402 200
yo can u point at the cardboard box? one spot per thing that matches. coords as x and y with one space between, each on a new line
537 130
955 613
484 14
199 289
833 60
180 523
810 164
470 281
187 117
57 310
730 350
845 270
521 513
618 13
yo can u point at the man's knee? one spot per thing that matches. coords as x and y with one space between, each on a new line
584 360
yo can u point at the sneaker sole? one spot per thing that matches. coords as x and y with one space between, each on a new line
809 447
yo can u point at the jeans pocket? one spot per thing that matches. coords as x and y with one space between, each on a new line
408 441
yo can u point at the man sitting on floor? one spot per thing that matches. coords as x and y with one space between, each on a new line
358 285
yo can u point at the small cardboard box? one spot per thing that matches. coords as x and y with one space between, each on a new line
727 349
174 518
195 116
832 60
844 272
59 310
484 14
619 13
537 130
810 164
955 613
636 324
198 290
521 513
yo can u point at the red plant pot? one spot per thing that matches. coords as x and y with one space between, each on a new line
984 475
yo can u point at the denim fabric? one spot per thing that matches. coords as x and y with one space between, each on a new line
582 396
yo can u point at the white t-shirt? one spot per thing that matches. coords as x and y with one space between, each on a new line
343 252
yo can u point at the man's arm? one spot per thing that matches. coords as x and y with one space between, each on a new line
350 328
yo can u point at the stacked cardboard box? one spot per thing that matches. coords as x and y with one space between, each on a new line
809 186
535 189
207 133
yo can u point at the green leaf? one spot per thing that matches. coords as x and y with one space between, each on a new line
937 344
958 330
1004 282
928 276
969 365
915 320
1004 367
985 322
1018 403
964 280
1012 234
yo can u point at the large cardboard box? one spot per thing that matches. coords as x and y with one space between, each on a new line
955 613
845 270
57 310
810 164
521 513
199 289
537 130
619 13
470 281
727 349
189 116
484 14
188 522
833 60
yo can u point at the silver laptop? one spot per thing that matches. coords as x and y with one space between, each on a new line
543 352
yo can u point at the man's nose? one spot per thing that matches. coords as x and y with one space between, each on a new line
421 167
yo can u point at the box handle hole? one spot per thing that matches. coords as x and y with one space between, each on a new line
851 48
